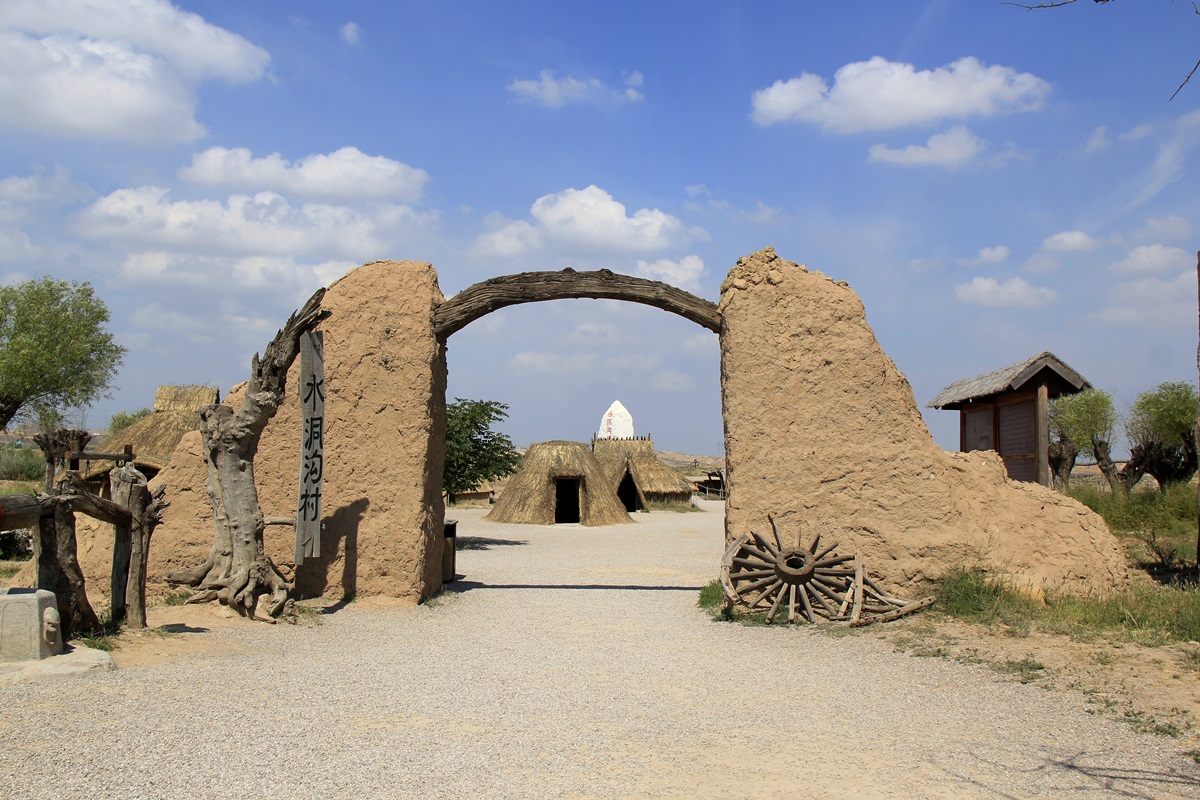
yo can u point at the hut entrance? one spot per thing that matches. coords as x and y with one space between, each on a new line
627 493
566 500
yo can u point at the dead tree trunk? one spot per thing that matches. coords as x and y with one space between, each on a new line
58 569
130 490
1103 452
55 445
238 570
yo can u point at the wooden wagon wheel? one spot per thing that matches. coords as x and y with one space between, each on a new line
811 580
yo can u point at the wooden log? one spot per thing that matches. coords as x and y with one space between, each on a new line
58 569
765 545
808 609
145 509
71 485
916 605
18 511
529 287
856 608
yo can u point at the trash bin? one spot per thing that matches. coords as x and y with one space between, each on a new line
448 550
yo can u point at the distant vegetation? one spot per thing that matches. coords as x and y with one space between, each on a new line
123 419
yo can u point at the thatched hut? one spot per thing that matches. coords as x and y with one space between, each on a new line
641 480
154 437
559 482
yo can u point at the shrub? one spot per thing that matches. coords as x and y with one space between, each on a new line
21 464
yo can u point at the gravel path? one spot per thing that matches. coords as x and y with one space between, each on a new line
571 663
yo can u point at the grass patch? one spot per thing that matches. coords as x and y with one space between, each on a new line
1025 669
1146 613
21 464
8 569
177 597
1158 528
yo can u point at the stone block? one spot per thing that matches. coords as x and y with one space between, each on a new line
29 625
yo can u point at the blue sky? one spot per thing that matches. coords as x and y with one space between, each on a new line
992 182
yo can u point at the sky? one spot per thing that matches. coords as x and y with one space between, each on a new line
992 182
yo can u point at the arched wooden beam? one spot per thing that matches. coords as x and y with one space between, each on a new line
531 287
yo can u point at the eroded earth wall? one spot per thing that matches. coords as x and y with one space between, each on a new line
822 431
385 377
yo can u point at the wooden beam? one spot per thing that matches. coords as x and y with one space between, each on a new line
531 287
1041 432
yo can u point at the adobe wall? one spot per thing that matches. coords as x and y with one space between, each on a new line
822 430
385 377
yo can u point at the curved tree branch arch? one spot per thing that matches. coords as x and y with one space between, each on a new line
531 287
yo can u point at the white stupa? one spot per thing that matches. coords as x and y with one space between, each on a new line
617 423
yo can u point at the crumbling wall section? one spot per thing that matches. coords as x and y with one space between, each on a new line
823 431
382 511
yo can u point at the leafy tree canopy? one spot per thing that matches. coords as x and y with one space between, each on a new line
123 419
1159 427
474 452
1083 419
55 350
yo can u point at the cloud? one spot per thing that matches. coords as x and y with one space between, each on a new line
246 272
553 92
1153 258
1014 293
144 218
1097 141
347 174
1178 139
40 187
878 95
684 273
1172 226
351 33
950 150
1152 302
584 220
1069 242
987 255
123 70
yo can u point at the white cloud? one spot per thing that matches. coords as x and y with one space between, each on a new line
113 69
347 174
987 255
1069 242
684 273
1172 226
144 218
584 220
671 380
1152 302
554 92
704 345
879 95
245 272
1153 258
951 150
1015 292
351 33
1179 138
1098 140
38 187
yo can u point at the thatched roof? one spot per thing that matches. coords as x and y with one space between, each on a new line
1060 378
530 494
154 437
654 480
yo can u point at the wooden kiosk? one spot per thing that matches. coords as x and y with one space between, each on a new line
1008 411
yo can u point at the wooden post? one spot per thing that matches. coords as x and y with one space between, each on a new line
1041 427
58 569
130 489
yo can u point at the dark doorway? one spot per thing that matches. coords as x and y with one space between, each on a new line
627 493
566 500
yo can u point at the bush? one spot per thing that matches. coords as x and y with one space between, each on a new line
21 464
123 419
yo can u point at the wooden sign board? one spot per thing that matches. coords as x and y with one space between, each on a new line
312 446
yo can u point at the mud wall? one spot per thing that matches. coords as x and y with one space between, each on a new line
822 431
385 377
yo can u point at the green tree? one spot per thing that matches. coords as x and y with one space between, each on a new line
1082 424
474 452
55 351
123 419
1161 438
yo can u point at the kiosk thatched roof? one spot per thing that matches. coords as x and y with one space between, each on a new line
530 495
1062 379
154 437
